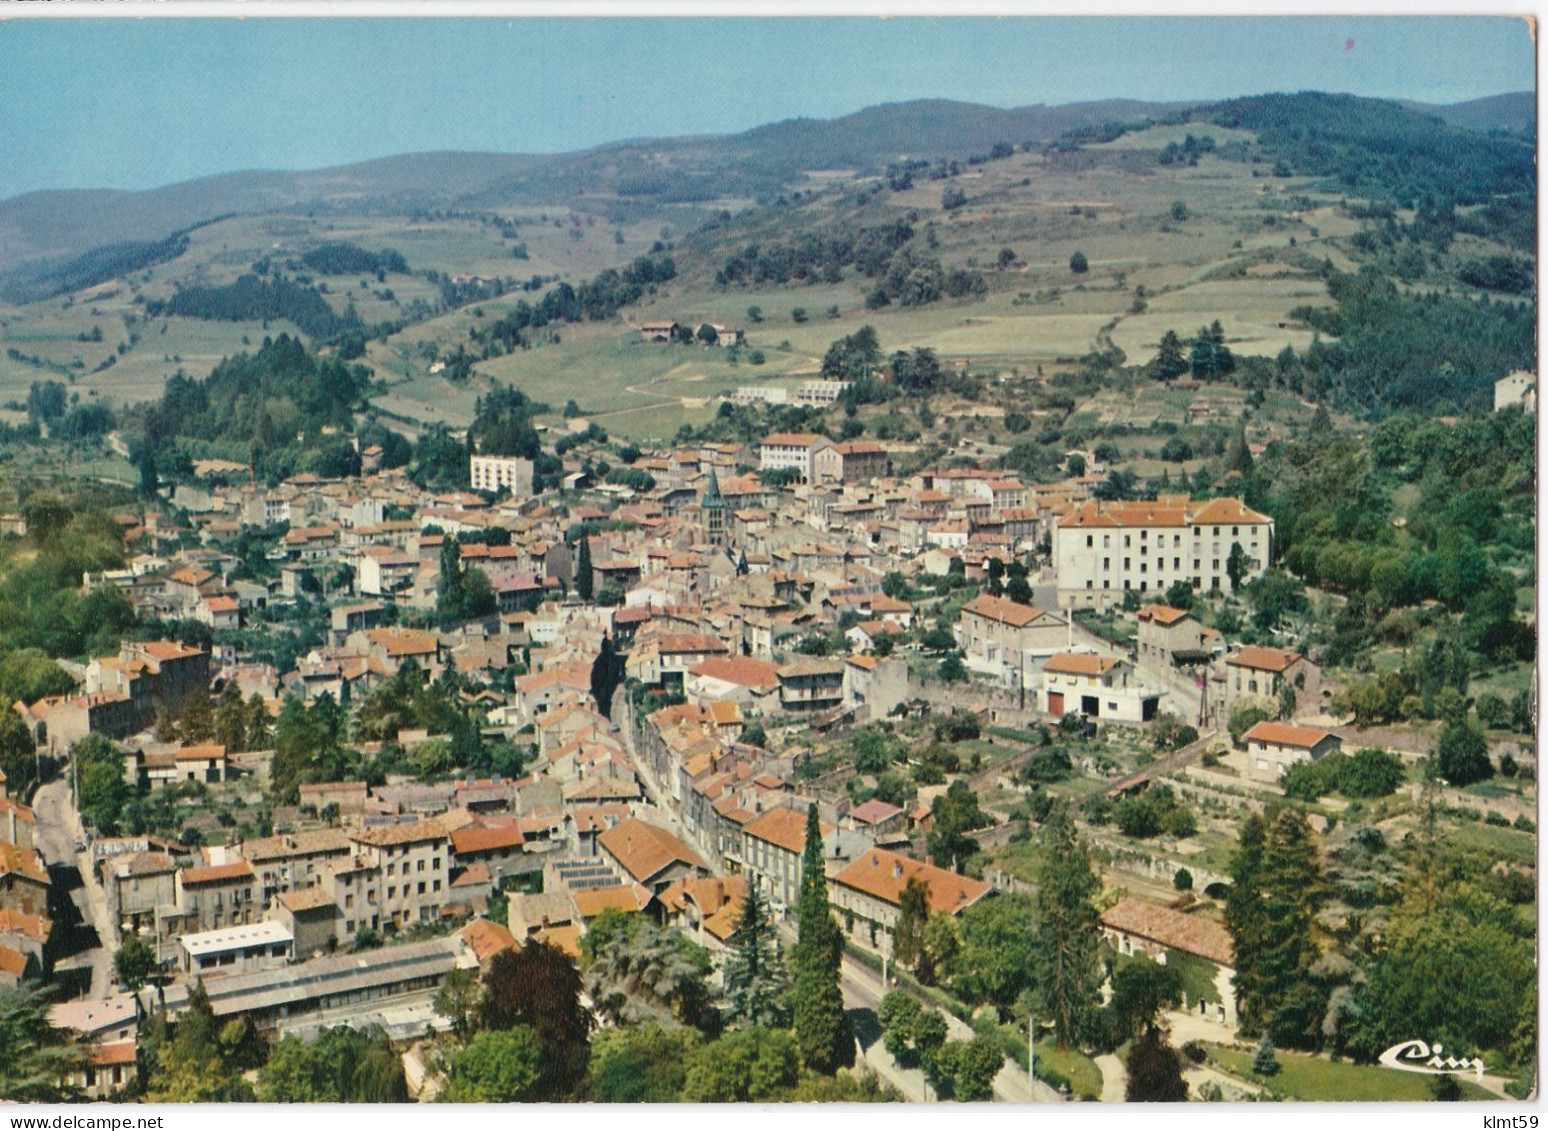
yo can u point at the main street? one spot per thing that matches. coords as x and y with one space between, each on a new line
59 830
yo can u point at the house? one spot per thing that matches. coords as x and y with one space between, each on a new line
23 880
868 894
110 1029
1102 549
1168 637
772 845
412 862
494 842
875 684
137 886
658 332
850 461
1272 748
315 923
1006 640
1099 687
793 450
1134 926
218 895
879 818
811 684
649 855
1254 670
743 680
1518 388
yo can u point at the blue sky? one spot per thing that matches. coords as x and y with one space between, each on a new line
134 104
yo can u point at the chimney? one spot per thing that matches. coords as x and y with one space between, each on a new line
897 869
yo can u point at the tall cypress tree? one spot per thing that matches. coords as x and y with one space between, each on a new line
755 977
583 579
822 1032
1071 979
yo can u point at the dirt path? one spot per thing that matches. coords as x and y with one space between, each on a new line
1114 1078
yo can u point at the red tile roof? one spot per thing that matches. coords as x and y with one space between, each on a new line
1187 933
645 851
883 875
1286 734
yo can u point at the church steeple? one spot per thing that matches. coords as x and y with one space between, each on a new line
714 506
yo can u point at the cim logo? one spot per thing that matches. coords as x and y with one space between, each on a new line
1416 1056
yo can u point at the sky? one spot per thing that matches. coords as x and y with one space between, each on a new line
115 103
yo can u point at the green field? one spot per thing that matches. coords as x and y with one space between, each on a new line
1312 1078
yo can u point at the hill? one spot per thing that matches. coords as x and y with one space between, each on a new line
618 180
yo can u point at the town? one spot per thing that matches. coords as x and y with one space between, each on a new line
945 604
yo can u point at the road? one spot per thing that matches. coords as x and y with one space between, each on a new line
90 938
863 989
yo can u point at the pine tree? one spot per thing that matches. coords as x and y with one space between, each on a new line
820 1026
584 582
1170 360
1066 917
755 977
1264 1062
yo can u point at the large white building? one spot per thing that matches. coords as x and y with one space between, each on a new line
491 473
791 449
1102 549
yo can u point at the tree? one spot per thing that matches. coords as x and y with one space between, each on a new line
340 1065
1275 886
134 961
952 669
708 334
744 1066
820 1026
499 1066
448 595
988 951
584 577
1237 565
1018 589
908 948
457 999
1182 880
36 1059
1141 990
1078 264
198 1064
198 720
967 1068
1462 754
755 977
1155 1072
1069 981
641 1064
650 973
1264 1062
996 574
537 986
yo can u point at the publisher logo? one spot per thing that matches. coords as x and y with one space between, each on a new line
1416 1056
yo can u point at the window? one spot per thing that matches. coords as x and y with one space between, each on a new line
1126 541
1107 563
392 869
421 887
1106 541
392 892
1217 532
1090 541
421 867
1126 562
435 886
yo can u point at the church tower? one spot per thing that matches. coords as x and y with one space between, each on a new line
714 507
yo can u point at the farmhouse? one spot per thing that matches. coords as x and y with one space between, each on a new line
1272 748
